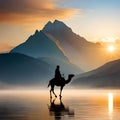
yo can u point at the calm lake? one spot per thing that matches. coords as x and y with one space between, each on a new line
74 105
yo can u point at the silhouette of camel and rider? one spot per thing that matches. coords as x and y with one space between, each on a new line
58 80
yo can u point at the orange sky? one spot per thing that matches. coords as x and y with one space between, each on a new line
93 20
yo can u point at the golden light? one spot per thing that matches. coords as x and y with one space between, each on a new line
109 39
110 103
111 48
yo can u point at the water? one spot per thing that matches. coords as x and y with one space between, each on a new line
75 105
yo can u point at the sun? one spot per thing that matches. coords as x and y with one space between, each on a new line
111 48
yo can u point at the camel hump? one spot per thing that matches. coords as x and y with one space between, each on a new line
50 81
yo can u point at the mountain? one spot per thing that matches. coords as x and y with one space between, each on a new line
65 66
106 76
41 46
23 70
80 51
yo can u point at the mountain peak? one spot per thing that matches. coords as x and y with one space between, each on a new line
48 23
56 25
58 22
54 22
36 32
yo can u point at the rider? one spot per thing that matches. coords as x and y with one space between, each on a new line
57 72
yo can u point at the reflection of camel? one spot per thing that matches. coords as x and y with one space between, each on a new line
60 83
59 110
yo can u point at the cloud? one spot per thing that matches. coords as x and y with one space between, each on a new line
31 11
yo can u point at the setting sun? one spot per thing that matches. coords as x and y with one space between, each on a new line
111 48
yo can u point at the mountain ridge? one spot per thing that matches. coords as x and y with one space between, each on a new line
106 76
20 69
38 43
74 46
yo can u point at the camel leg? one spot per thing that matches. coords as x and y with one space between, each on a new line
54 93
52 90
50 93
61 91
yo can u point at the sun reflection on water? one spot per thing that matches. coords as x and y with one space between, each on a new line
110 104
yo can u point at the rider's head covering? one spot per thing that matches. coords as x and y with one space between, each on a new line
58 66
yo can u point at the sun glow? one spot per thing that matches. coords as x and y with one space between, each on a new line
111 48
110 39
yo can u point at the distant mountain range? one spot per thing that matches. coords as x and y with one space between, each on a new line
66 67
106 76
23 70
34 62
41 46
56 39
77 48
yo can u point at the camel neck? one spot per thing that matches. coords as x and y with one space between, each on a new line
68 80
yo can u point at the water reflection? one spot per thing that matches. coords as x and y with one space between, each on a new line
59 110
110 104
9 111
33 106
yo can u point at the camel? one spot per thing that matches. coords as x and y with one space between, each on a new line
59 82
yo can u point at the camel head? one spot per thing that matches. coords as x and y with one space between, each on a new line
71 75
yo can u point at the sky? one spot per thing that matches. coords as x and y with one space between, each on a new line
93 19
